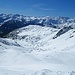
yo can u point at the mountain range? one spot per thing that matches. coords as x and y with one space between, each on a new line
37 45
11 22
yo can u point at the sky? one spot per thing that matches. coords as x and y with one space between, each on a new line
51 8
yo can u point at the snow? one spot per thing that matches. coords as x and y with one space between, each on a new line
45 21
38 53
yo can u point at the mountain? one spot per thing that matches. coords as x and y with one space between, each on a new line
32 50
10 22
38 48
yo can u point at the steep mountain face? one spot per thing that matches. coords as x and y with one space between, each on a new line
11 22
62 31
46 47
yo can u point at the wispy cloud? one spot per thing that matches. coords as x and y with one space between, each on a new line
38 5
30 9
42 7
46 9
5 8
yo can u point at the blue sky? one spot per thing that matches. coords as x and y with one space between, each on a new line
39 7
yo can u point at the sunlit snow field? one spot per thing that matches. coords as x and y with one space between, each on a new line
38 53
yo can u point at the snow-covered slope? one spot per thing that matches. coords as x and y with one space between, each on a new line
33 50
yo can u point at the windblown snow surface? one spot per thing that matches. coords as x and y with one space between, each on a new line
34 51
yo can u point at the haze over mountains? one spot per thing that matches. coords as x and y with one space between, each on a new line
37 45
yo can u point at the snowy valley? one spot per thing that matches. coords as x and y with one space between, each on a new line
37 45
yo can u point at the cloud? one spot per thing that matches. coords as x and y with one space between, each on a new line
5 8
47 9
42 7
38 5
29 9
